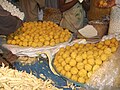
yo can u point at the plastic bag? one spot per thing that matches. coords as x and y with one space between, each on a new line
115 35
108 76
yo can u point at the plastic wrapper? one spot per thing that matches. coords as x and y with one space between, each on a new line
108 76
115 35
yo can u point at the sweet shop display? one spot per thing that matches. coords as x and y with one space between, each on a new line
42 55
39 34
80 61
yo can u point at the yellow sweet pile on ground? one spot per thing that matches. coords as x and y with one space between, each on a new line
80 61
39 34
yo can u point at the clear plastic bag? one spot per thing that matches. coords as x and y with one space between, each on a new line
108 76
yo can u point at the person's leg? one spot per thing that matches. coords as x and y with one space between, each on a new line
30 8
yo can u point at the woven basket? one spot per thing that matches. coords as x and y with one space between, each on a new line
96 13
101 27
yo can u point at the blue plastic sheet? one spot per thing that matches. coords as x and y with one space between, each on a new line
42 67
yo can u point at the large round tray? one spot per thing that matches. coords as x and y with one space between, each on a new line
30 51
